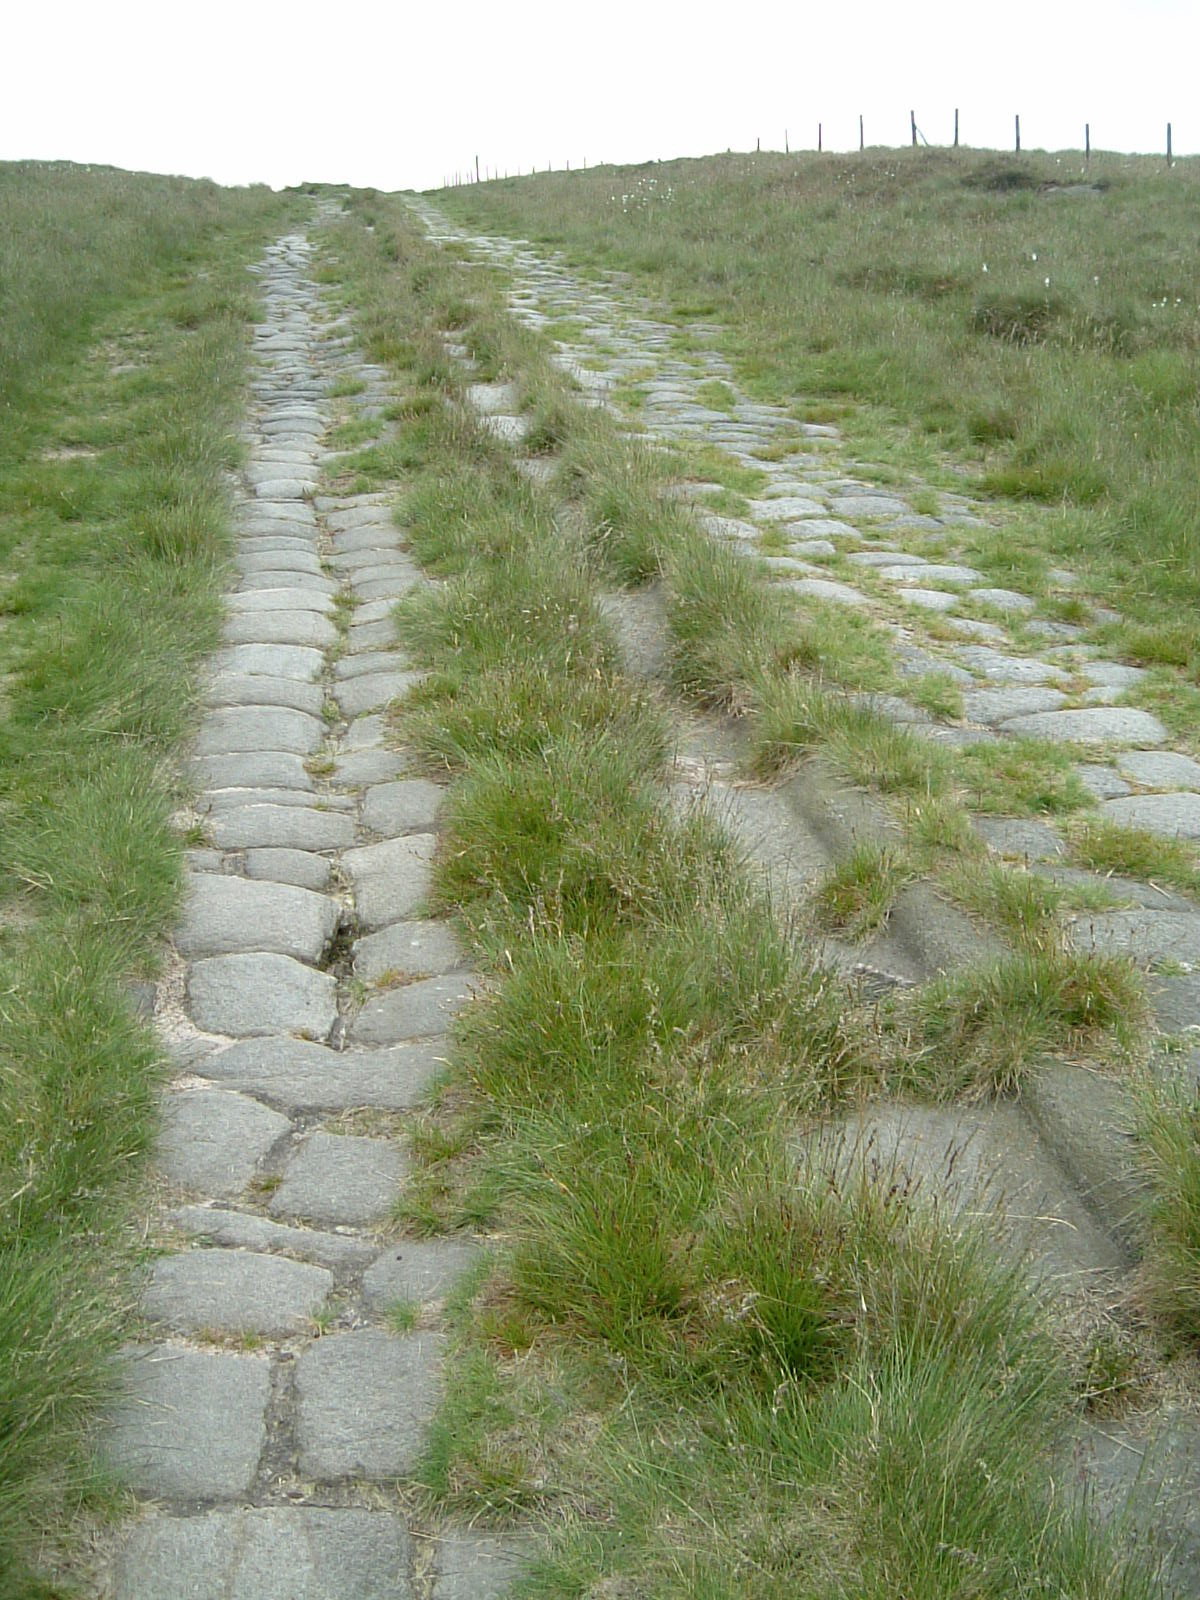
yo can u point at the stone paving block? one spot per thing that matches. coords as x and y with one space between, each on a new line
930 599
243 1230
841 594
1102 783
929 572
365 661
412 1011
1142 935
998 705
280 556
303 627
392 879
297 1075
1000 667
276 577
275 1553
427 948
190 1424
218 801
478 1566
1020 836
784 507
230 730
361 767
280 827
299 867
256 689
373 690
868 505
371 635
1175 816
226 915
270 661
340 1179
405 807
1160 769
417 1270
251 768
262 600
1112 674
1175 1001
212 1140
387 588
244 995
1003 599
234 1291
1096 725
363 1402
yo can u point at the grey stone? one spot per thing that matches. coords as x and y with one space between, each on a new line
404 807
212 1141
364 733
1017 836
284 488
784 507
277 577
391 880
417 1270
729 527
365 661
262 600
1175 1001
256 689
361 514
512 430
373 690
281 556
363 1402
827 589
930 599
1102 783
205 861
814 547
231 730
823 527
928 572
270 661
1096 725
869 505
371 633
1003 599
1112 674
361 767
1150 936
245 995
219 801
275 1553
412 1011
386 588
281 827
243 1230
886 557
299 1076
300 867
190 1424
1001 668
255 767
340 1179
224 915
424 948
1161 769
492 399
478 1566
279 627
233 1291
1172 815
998 705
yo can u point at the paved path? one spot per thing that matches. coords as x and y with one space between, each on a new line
269 1410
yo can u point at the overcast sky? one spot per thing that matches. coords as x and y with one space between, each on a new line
403 96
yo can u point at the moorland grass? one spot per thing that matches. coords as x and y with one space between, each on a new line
708 1369
122 350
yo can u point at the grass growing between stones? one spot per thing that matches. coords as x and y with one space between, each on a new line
709 1369
122 357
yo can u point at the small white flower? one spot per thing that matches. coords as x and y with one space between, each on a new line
985 266
1047 283
1033 257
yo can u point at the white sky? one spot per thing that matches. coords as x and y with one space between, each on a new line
405 95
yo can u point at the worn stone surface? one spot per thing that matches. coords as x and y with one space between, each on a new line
417 1270
1093 725
1160 769
391 880
277 626
842 594
364 1399
254 769
233 1291
256 689
280 827
300 867
999 667
263 993
298 1076
1172 815
340 1179
212 1140
232 729
412 1010
998 705
424 948
1140 934
272 1553
245 1230
189 1424
1020 836
408 806
477 1566
224 915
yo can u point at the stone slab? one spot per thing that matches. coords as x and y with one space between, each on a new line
274 1553
230 730
1102 783
1175 816
392 879
1149 936
256 689
243 1230
408 806
190 1424
360 767
929 572
842 594
1160 769
999 705
246 995
212 1140
412 1011
304 627
340 1180
373 691
261 600
365 661
270 661
235 1291
227 915
416 1271
251 768
1000 667
423 948
930 599
280 827
1019 836
784 507
478 1566
1003 599
299 867
364 1400
299 1076
1094 725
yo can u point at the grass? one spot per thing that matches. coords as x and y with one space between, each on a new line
1169 1152
857 896
703 1369
1106 846
123 347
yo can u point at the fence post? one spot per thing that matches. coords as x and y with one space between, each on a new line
956 127
1018 119
757 146
1087 141
861 146
786 151
818 138
1169 161
912 117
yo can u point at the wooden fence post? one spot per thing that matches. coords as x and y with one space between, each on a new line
912 117
1169 161
1087 141
956 127
1018 133
861 146
818 138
